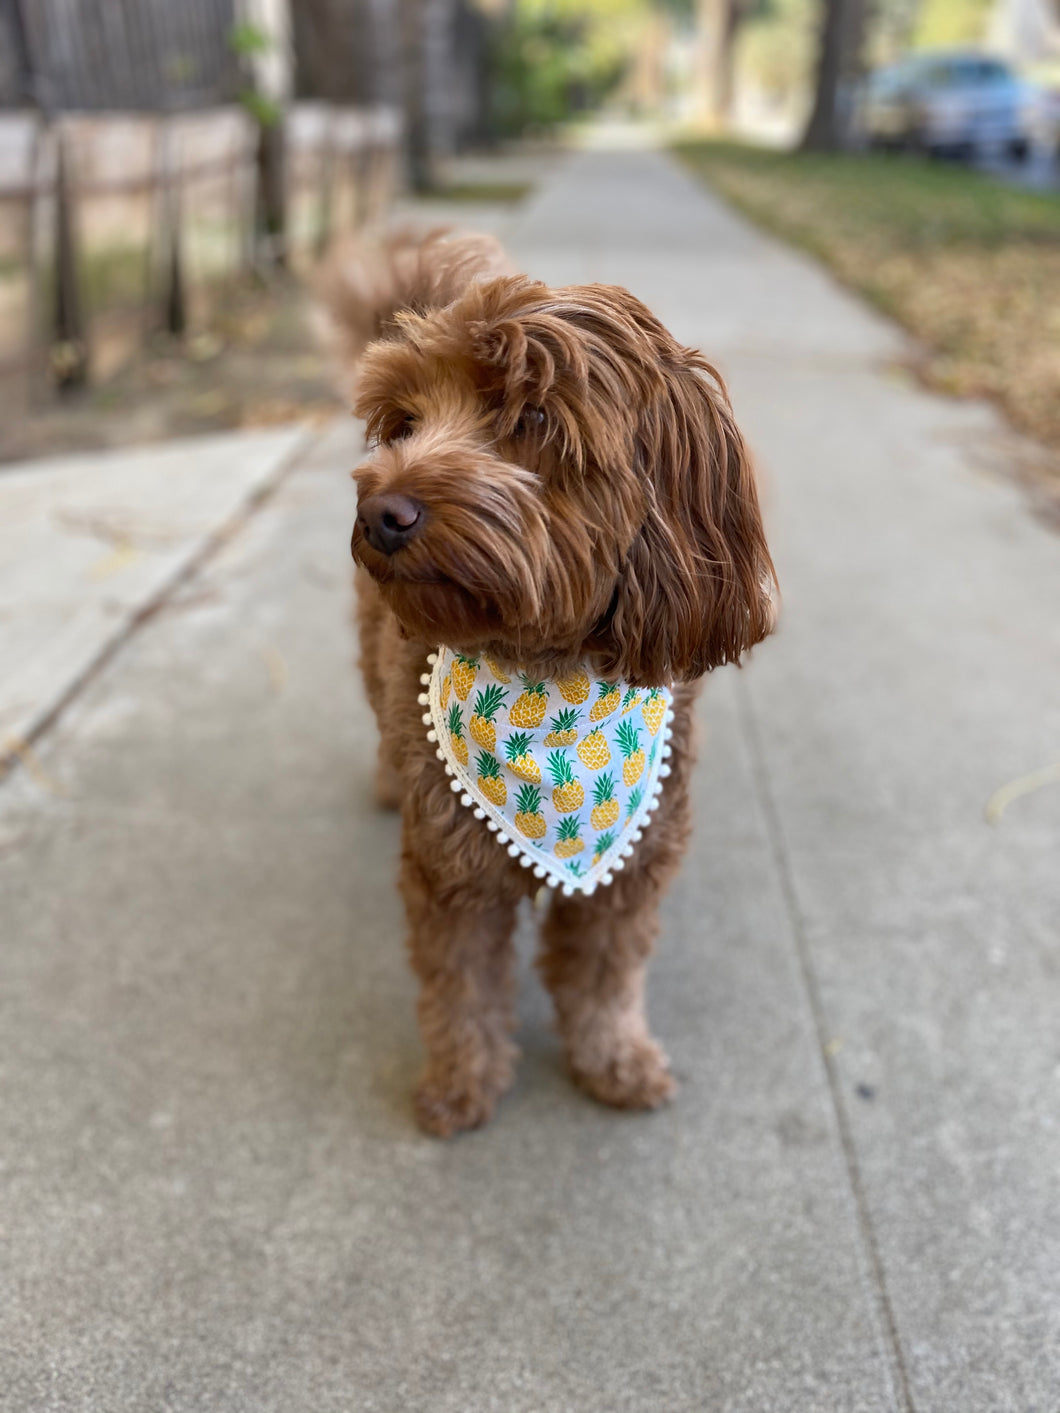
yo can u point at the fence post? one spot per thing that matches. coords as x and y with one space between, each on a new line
272 191
71 357
174 310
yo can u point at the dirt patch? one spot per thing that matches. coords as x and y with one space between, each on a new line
263 365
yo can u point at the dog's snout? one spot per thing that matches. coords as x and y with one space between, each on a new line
389 522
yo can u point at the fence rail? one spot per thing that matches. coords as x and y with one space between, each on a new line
115 226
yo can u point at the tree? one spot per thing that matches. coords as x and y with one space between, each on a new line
839 67
717 25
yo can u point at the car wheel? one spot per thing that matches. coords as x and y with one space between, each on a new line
1019 149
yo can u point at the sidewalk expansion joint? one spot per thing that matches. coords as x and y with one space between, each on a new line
18 752
785 874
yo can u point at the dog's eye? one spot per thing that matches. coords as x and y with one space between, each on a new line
400 428
532 418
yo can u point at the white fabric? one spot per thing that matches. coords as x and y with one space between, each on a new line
565 772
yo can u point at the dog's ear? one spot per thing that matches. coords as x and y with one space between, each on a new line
697 587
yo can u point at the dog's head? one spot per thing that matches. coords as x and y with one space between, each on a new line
554 477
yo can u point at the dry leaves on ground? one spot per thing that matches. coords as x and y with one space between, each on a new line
969 266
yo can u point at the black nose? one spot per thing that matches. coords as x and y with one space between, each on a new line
389 522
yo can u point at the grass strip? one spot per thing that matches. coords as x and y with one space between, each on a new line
968 265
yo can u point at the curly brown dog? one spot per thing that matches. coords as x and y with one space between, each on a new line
554 484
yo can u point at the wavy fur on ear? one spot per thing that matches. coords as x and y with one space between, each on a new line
697 589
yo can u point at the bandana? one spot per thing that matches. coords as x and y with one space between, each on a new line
565 772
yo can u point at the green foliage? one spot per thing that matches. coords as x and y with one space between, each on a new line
262 109
946 22
777 45
248 40
555 60
892 203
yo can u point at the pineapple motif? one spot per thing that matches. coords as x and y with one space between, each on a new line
653 710
447 687
487 705
630 700
500 676
529 709
593 750
574 688
528 817
632 755
490 781
520 761
605 806
633 803
564 728
603 843
463 670
568 839
568 793
456 734
606 702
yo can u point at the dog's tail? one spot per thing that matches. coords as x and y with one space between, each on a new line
368 282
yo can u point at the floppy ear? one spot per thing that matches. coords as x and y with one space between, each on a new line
697 586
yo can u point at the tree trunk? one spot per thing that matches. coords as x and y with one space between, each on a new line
717 25
839 67
726 62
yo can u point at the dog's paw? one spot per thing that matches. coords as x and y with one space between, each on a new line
637 1076
443 1111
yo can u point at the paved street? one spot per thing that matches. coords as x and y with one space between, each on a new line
213 1193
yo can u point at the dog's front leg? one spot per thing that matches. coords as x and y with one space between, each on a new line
461 948
593 960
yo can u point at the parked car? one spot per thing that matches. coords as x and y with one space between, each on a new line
1044 120
955 102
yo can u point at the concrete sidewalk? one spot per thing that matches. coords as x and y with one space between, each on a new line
88 544
213 1193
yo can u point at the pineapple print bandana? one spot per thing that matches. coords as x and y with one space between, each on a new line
566 772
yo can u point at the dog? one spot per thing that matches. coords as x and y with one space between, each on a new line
555 493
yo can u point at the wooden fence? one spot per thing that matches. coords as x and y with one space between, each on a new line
115 226
111 55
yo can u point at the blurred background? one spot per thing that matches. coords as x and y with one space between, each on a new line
213 1194
172 170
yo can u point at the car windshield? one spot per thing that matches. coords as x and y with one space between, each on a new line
961 73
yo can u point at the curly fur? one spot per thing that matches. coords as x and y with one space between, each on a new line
587 496
367 281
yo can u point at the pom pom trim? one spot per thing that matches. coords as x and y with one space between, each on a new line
544 866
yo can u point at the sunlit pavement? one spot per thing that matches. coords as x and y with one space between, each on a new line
214 1196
